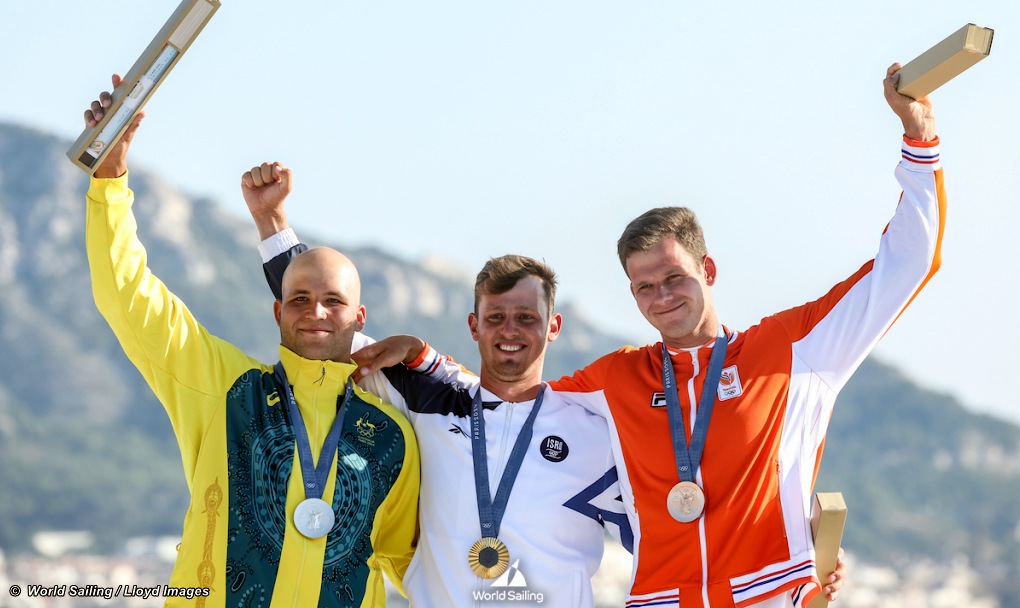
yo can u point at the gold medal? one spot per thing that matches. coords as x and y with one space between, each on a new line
686 501
489 557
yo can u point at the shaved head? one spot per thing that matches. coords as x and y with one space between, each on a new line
321 306
322 262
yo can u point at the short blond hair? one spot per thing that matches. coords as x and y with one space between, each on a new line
501 274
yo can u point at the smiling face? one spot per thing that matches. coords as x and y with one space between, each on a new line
321 307
673 292
512 330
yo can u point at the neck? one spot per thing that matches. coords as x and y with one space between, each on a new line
344 357
294 357
514 392
705 334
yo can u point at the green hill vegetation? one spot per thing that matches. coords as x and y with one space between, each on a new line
85 446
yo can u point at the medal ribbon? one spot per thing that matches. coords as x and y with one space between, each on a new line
490 510
314 476
688 458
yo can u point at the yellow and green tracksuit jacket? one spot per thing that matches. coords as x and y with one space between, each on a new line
238 448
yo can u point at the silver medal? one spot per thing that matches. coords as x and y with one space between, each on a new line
313 518
686 501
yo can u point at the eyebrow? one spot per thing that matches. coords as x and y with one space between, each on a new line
298 292
511 308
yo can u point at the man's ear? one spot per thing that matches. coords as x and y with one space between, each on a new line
277 310
473 325
362 317
555 325
711 272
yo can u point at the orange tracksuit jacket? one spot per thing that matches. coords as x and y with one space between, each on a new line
780 380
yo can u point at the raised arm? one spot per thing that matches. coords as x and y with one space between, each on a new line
265 188
917 115
115 164
178 358
833 334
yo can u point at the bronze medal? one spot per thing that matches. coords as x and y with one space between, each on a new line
686 501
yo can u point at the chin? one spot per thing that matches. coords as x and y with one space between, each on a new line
508 372
315 353
666 329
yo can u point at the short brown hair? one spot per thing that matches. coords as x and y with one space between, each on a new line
500 275
644 231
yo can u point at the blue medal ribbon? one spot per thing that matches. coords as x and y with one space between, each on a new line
314 476
688 458
490 510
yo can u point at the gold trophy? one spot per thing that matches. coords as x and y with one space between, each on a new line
945 61
144 77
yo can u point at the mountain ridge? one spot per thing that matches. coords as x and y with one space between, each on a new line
85 445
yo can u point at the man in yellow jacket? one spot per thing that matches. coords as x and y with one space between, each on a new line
304 488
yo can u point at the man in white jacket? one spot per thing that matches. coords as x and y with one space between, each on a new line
542 539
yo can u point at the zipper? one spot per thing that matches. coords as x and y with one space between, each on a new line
503 455
496 475
315 405
696 371
315 435
314 440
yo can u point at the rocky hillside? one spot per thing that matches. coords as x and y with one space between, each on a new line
85 446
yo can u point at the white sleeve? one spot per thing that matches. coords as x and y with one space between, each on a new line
277 244
440 367
377 383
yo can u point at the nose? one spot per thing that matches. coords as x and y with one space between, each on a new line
318 311
509 328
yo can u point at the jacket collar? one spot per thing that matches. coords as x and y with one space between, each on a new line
327 375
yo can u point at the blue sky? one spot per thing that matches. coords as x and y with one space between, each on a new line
471 129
